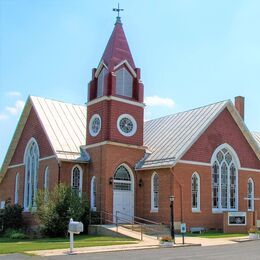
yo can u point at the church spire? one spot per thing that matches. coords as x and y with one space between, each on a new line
117 49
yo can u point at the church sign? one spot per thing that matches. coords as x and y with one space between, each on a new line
236 218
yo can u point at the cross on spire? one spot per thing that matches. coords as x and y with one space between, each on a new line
118 10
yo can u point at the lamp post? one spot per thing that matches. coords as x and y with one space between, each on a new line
172 218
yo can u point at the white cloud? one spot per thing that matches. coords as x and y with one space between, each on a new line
158 101
3 116
17 108
14 94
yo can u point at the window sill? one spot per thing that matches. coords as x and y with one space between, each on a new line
154 211
196 211
220 211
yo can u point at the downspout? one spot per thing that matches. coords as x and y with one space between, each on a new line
59 172
173 174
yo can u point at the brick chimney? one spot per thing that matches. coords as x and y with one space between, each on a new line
240 106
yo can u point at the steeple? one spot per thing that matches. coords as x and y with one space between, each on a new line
117 49
116 95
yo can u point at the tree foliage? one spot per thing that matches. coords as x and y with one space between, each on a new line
11 216
55 209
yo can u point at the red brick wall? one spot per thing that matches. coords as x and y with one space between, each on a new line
7 186
31 129
223 130
109 112
105 160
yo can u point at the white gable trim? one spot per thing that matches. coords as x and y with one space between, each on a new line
125 62
201 132
16 137
100 67
241 124
245 131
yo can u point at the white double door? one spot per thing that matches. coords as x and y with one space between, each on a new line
123 205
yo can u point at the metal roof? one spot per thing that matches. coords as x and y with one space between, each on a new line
256 135
167 138
64 125
175 133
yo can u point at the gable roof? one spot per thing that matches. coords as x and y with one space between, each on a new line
64 125
176 133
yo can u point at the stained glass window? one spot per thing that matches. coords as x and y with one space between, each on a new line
224 181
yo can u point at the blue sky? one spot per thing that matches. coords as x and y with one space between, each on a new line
191 53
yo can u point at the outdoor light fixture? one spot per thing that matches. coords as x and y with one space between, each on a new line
141 183
111 180
172 218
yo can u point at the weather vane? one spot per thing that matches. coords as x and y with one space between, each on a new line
118 10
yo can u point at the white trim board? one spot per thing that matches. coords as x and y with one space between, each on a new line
108 98
41 159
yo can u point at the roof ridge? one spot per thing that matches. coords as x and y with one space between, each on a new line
55 100
192 109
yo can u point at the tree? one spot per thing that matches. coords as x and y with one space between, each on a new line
57 208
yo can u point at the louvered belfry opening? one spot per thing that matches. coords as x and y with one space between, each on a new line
116 74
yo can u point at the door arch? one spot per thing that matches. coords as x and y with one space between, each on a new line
123 194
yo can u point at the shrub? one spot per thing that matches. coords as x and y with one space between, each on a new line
15 234
11 216
55 212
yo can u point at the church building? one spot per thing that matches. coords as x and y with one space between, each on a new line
205 157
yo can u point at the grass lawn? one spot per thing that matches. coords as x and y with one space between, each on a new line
8 246
216 234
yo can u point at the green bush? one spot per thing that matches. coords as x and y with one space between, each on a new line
15 234
11 216
58 207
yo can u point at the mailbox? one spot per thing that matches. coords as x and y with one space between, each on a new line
76 227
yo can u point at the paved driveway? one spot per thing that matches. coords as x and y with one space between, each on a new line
243 251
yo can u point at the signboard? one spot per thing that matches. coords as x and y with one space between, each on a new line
258 223
183 227
236 218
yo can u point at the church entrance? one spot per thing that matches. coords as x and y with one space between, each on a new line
123 195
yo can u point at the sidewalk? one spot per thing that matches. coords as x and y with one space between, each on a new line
147 243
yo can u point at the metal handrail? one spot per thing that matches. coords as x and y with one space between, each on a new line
130 221
135 217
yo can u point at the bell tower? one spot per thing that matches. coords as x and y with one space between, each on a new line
115 107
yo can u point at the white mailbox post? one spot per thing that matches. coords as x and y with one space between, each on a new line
74 228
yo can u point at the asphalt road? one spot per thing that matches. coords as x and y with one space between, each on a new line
243 251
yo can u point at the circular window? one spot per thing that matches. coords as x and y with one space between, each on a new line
126 125
95 125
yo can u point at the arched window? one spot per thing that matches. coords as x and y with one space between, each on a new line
31 159
122 179
100 82
224 179
76 179
155 192
250 194
46 183
93 194
124 83
195 192
17 184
